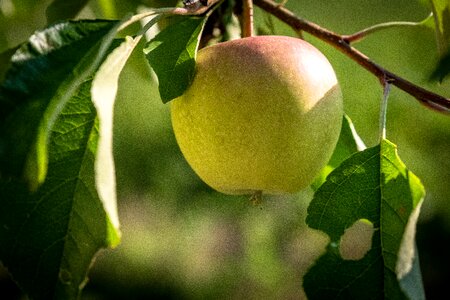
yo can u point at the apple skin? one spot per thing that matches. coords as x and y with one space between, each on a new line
263 114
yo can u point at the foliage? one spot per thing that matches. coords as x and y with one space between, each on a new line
441 13
373 186
57 175
172 55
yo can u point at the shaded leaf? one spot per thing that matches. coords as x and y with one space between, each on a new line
48 238
64 9
45 73
172 55
372 186
5 61
349 143
442 70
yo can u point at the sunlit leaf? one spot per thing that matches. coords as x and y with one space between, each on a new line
373 187
172 55
104 90
441 14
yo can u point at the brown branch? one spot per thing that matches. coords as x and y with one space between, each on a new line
426 97
198 9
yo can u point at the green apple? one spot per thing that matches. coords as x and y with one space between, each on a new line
263 115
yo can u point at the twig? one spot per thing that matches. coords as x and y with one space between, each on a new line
358 36
247 18
426 97
182 11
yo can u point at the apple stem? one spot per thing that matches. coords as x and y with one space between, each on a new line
247 18
256 198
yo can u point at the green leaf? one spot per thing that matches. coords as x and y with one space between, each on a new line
104 91
45 73
442 70
48 238
349 143
441 13
64 9
368 207
172 55
5 61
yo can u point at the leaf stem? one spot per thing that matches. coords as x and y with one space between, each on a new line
247 18
383 109
428 98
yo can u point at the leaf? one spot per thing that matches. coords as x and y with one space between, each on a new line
441 13
64 9
172 55
104 91
5 61
48 238
45 73
348 143
371 203
442 70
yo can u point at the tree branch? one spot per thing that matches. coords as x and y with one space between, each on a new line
426 97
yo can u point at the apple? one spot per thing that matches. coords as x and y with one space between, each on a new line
262 115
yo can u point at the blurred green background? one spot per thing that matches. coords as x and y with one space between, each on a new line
183 240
